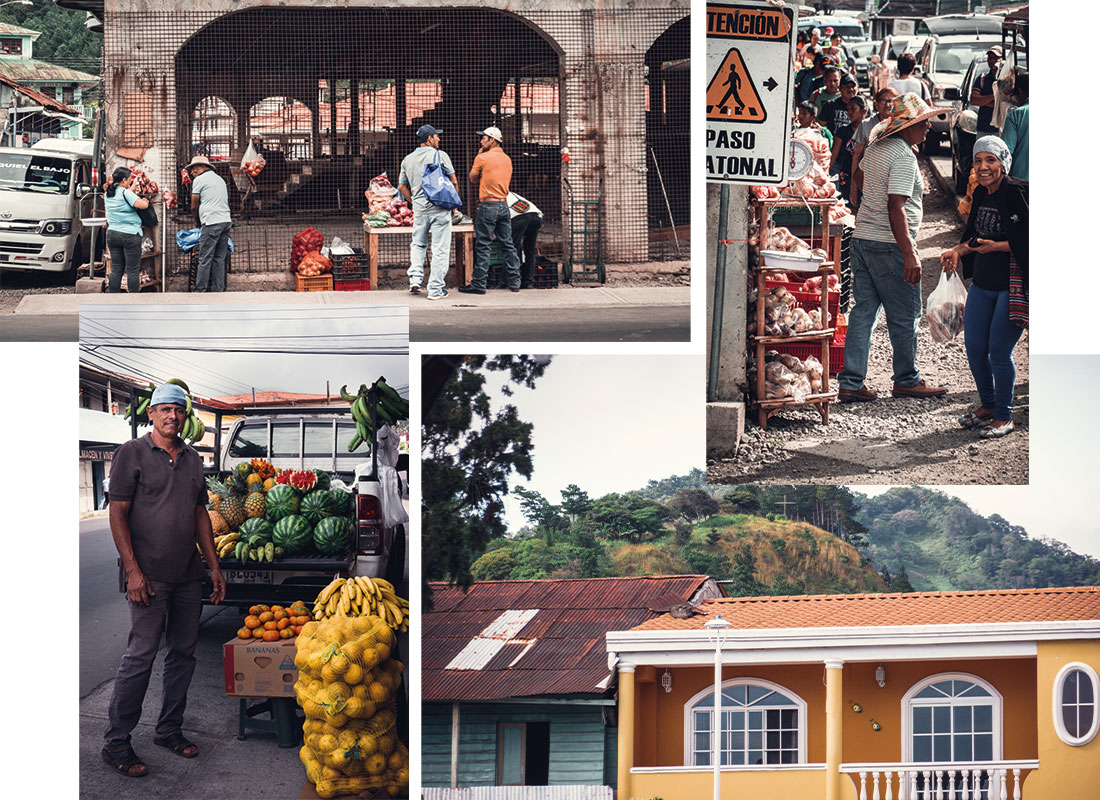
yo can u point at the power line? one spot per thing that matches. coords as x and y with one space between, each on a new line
273 351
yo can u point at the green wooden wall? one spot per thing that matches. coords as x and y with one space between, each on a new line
582 749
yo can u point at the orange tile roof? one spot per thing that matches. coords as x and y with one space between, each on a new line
915 608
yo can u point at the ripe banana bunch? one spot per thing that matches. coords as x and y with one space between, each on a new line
226 543
388 407
193 428
363 596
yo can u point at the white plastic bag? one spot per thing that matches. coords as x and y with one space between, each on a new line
393 510
945 307
252 163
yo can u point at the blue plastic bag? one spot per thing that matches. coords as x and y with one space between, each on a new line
188 239
437 186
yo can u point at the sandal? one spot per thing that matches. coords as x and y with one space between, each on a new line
973 420
989 432
177 744
123 761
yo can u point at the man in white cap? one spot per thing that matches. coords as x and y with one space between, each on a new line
492 174
210 208
158 514
886 270
427 217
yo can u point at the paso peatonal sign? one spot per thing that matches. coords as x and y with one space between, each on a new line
749 50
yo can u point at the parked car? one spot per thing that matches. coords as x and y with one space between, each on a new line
955 24
884 63
849 27
964 124
861 55
941 65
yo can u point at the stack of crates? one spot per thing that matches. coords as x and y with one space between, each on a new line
351 272
546 274
193 267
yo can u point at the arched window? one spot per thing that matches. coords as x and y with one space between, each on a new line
953 717
1075 707
762 723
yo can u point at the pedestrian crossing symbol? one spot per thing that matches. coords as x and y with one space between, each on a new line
731 95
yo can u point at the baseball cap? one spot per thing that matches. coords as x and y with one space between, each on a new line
492 132
168 393
828 30
424 131
997 50
848 80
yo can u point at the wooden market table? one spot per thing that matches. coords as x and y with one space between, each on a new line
464 253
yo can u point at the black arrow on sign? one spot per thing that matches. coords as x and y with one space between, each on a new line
770 84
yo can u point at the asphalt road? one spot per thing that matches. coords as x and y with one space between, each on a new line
38 328
606 324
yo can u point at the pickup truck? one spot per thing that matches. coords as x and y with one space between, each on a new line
306 438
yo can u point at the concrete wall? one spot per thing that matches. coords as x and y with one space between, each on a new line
603 73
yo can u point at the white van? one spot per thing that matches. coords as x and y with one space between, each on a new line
40 226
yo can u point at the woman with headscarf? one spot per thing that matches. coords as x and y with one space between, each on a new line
993 253
124 231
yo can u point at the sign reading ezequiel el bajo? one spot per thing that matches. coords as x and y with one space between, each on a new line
749 60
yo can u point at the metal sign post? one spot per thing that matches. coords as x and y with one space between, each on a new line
748 101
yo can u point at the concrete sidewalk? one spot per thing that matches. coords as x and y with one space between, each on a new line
534 299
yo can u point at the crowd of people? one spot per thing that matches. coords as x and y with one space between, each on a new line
873 161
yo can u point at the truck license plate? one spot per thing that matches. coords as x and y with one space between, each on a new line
246 576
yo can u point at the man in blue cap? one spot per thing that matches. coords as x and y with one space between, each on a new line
427 218
158 513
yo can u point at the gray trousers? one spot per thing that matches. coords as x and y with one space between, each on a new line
213 246
125 251
173 611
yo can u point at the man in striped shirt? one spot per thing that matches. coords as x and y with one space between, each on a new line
886 272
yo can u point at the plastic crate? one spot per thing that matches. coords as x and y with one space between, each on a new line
546 276
351 286
320 283
810 301
803 350
351 266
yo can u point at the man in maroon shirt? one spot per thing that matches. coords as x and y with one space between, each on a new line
158 513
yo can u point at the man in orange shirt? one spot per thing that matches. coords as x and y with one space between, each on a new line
492 174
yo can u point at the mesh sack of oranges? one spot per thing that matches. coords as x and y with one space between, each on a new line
272 623
346 687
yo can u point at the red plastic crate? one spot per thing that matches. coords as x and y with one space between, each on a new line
352 286
809 300
802 350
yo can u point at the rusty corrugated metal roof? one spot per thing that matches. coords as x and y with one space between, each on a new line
504 639
37 97
7 29
30 70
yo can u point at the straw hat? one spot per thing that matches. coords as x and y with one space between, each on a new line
200 161
907 110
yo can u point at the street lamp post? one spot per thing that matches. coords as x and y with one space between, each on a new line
716 633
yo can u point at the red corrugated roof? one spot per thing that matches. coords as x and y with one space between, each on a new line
912 608
37 97
560 650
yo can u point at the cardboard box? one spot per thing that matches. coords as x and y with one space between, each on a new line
254 668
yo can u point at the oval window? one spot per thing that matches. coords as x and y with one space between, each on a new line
1075 704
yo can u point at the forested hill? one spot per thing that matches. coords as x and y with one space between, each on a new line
945 545
780 540
65 40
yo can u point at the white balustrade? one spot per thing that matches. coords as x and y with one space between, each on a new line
981 780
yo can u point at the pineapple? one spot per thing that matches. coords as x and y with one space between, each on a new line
232 510
215 491
218 523
238 484
254 503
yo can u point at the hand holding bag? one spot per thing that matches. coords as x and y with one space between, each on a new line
946 306
437 186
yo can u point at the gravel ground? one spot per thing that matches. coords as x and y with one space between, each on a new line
893 440
14 286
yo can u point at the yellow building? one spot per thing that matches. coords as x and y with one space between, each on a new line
922 696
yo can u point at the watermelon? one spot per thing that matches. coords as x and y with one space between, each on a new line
280 501
332 535
292 533
256 525
316 506
343 503
324 480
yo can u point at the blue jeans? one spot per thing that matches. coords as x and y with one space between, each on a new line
990 339
213 245
492 217
437 221
877 283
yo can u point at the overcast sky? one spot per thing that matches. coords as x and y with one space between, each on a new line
336 343
611 423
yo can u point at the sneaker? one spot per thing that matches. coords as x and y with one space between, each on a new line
470 290
414 288
514 288
439 296
861 395
920 390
